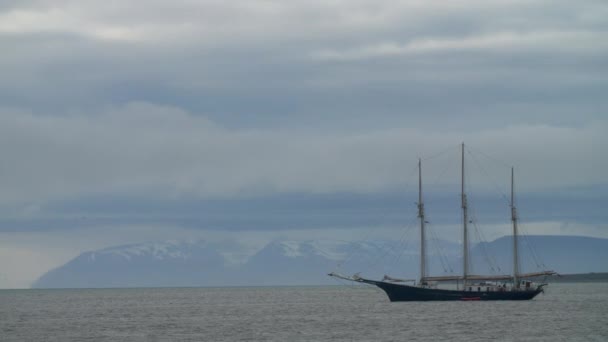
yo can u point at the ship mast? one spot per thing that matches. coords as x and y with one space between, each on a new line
514 219
465 239
422 235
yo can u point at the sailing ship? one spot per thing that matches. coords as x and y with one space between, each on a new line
516 286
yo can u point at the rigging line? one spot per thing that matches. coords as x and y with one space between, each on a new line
443 259
350 254
487 175
537 258
353 285
349 285
450 162
402 244
437 249
482 242
327 254
392 250
413 171
539 264
448 166
354 249
492 261
533 253
443 254
385 251
398 257
433 156
473 215
358 248
402 241
496 160
409 179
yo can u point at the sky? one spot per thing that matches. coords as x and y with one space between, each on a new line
130 121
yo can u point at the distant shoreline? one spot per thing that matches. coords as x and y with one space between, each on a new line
580 278
593 277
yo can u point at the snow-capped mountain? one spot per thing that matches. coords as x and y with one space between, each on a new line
202 263
170 263
293 262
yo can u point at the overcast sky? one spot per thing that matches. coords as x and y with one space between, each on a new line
126 121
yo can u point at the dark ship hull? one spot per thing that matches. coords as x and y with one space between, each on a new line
407 293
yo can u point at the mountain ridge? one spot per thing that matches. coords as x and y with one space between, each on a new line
305 262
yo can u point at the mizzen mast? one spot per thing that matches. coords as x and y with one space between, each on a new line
465 239
514 220
422 222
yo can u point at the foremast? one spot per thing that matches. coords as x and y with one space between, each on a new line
514 220
422 222
465 238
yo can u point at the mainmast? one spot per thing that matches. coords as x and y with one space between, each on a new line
514 219
422 235
465 239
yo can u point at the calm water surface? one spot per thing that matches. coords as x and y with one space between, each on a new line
568 312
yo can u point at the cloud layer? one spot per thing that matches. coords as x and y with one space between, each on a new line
164 151
108 105
312 63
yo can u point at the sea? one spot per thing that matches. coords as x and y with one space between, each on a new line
566 312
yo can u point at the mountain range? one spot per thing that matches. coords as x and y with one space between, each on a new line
293 262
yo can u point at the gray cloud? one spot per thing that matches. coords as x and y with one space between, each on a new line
149 149
343 63
156 101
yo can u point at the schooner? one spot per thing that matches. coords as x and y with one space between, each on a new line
515 286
